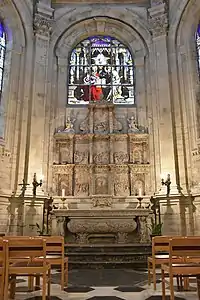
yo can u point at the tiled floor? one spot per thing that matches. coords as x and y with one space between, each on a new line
131 285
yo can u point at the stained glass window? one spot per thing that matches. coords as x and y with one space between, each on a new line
2 54
101 69
198 47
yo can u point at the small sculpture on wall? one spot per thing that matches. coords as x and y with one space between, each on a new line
132 125
69 125
35 184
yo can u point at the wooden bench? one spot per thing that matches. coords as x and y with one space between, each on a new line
189 249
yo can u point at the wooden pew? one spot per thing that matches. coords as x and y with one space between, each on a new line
18 248
160 255
189 249
56 256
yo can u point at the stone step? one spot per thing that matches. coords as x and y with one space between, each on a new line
113 256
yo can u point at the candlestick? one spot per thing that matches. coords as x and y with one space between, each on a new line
139 192
63 193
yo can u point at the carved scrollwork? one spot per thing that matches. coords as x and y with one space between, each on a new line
101 127
102 202
101 158
120 157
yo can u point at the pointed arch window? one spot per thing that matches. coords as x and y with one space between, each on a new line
101 69
198 47
2 55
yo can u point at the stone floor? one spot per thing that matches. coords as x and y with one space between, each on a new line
103 284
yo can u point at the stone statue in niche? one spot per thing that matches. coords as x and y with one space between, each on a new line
101 185
132 125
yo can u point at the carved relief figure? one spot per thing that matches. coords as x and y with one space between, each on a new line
80 157
101 185
82 189
64 153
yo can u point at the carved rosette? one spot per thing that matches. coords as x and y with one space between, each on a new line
42 25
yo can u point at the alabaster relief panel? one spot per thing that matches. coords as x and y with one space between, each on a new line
138 149
64 150
81 181
101 180
121 181
81 150
137 183
101 150
62 179
101 124
120 150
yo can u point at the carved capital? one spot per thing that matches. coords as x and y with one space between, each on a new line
42 25
158 24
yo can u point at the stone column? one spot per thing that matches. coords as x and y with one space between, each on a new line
40 103
161 105
141 89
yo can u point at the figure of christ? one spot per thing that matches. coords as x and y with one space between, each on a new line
95 89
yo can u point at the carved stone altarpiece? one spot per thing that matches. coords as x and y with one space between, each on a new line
98 165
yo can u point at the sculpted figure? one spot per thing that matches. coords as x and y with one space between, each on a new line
69 125
132 124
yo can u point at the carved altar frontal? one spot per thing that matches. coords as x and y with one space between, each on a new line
99 166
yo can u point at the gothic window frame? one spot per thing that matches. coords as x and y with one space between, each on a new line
2 56
197 40
120 67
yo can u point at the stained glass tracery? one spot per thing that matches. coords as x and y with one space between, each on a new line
198 47
101 68
2 54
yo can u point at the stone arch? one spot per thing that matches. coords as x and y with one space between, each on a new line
64 22
100 25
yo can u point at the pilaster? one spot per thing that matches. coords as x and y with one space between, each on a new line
42 29
158 21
